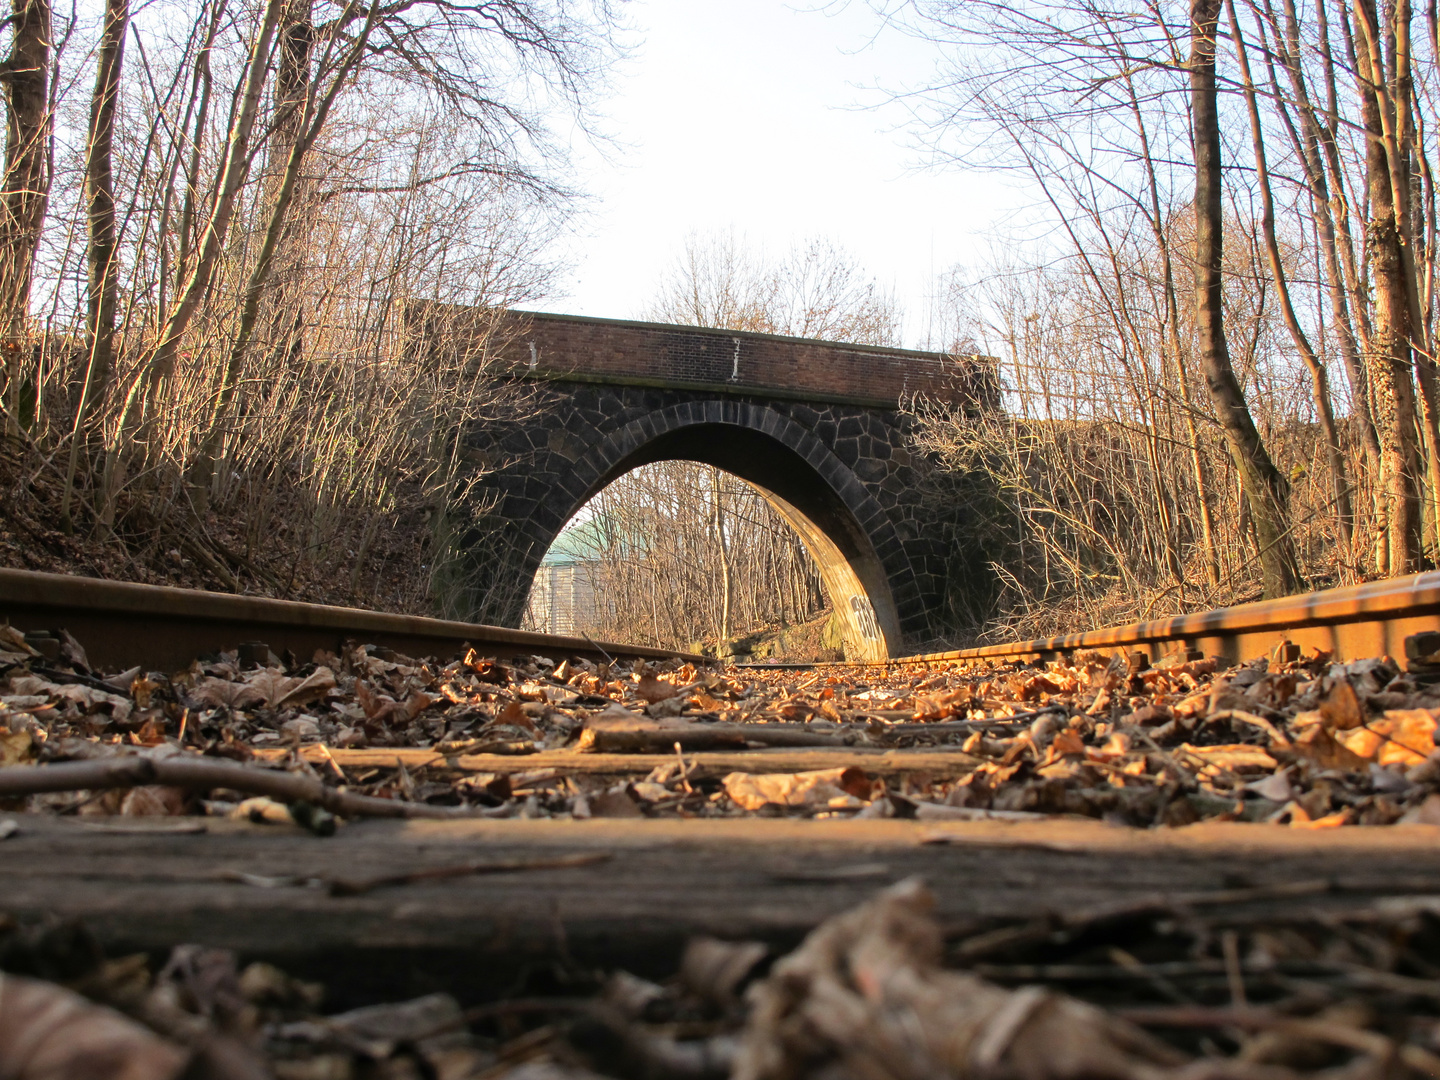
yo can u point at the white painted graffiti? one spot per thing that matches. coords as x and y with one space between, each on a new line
865 617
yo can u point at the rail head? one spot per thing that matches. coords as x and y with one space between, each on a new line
1353 621
123 623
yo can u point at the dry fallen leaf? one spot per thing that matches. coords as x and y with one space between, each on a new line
16 747
823 787
514 715
1317 743
281 691
49 1033
13 640
1234 757
1341 707
153 801
87 698
715 969
1067 742
215 693
865 996
1400 737
653 689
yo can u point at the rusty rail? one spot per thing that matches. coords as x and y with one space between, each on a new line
1356 621
122 624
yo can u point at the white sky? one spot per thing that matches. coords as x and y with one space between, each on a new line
739 115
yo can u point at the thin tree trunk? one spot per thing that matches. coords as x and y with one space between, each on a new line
217 230
159 361
722 541
1265 488
292 92
1340 202
197 110
312 119
1389 355
26 186
1307 143
1399 124
204 87
1172 332
1319 383
103 283
100 183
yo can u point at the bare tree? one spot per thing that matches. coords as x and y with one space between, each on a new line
26 185
816 290
101 298
1319 379
1265 489
399 154
1112 120
1390 340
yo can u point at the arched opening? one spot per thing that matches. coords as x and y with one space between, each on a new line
677 554
844 558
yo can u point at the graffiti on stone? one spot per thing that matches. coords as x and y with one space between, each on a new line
865 617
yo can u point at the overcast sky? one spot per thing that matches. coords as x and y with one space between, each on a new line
742 115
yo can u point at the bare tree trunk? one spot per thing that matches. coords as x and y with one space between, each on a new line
1319 383
217 230
26 186
1389 354
203 89
1328 207
1396 99
159 361
100 257
100 185
312 117
1265 488
292 91
727 585
1172 334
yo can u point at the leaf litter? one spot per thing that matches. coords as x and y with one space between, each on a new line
1306 743
1241 984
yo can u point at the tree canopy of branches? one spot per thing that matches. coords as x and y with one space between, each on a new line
1281 417
815 290
214 219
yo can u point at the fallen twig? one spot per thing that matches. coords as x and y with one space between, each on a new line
1253 1019
203 775
620 735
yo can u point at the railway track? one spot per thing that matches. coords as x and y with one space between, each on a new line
1373 619
123 624
630 890
1356 621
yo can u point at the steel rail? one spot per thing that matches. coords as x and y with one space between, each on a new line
122 624
1356 621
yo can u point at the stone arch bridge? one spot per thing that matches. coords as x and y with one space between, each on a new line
816 426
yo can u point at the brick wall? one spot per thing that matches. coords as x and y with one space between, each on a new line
681 355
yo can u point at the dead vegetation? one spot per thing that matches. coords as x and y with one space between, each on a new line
1216 313
216 370
1240 984
1300 741
680 555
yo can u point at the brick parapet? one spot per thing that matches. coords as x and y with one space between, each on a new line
559 346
